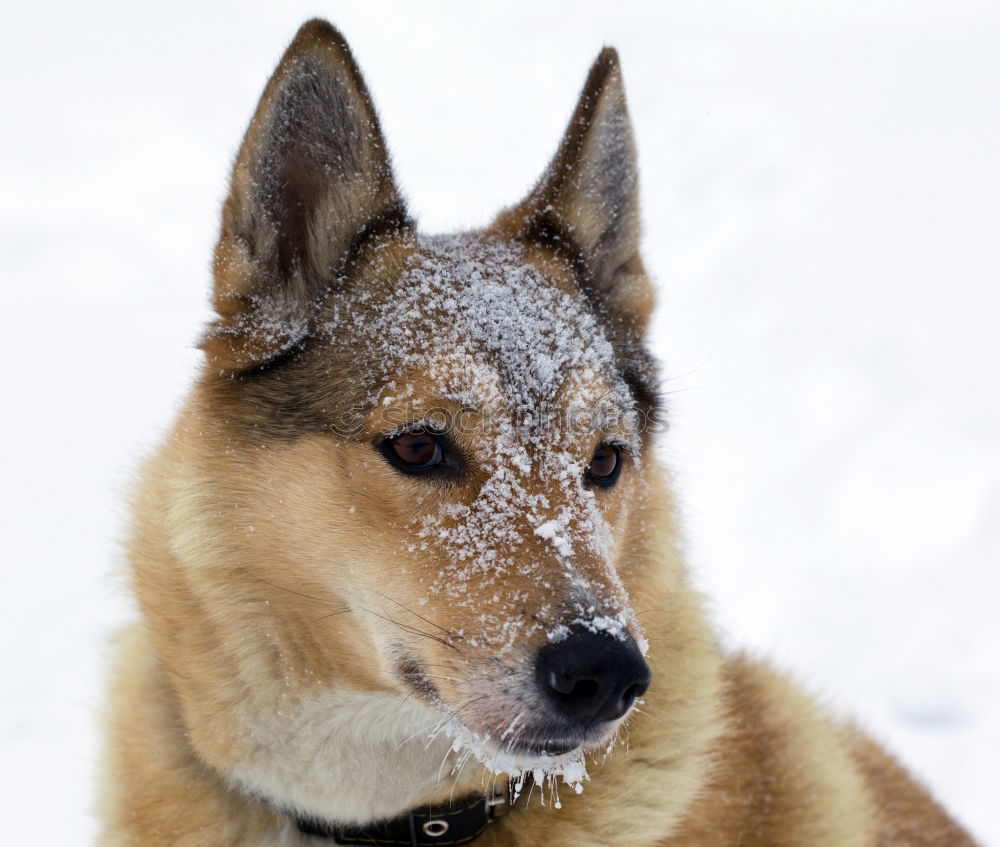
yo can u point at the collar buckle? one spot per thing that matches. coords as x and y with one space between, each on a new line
498 802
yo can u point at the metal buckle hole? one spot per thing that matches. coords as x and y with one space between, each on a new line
435 828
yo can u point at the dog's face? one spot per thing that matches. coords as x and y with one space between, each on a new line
432 450
480 489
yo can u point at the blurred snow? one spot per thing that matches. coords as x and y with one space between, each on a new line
820 186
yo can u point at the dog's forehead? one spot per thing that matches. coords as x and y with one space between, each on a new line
487 328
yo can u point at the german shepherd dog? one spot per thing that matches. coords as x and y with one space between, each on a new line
407 563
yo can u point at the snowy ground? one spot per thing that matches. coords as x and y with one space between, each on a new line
820 186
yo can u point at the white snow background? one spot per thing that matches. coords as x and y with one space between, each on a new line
820 186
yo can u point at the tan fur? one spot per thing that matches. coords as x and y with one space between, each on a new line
286 608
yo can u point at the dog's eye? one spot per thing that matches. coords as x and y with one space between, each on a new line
605 466
417 450
420 452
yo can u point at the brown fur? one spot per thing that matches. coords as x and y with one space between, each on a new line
272 555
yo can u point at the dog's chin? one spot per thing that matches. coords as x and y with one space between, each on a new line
552 747
540 749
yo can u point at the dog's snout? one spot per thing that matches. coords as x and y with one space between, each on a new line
592 677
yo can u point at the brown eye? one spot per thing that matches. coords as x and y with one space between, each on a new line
422 452
606 465
417 450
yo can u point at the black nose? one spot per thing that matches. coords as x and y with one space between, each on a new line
592 677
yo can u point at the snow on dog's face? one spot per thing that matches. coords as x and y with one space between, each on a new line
511 448
440 440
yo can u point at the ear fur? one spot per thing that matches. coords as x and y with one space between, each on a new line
311 181
589 197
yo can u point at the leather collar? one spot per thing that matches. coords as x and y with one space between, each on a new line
449 824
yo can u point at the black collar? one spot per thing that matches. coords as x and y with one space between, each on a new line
444 825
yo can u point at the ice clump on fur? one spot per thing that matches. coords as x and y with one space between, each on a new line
550 530
543 770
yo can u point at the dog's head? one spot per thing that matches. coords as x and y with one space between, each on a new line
427 457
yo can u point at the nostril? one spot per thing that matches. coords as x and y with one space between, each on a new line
586 688
633 693
561 683
571 687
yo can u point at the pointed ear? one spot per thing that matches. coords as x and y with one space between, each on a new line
587 202
310 183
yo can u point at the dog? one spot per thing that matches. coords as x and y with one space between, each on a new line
407 564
